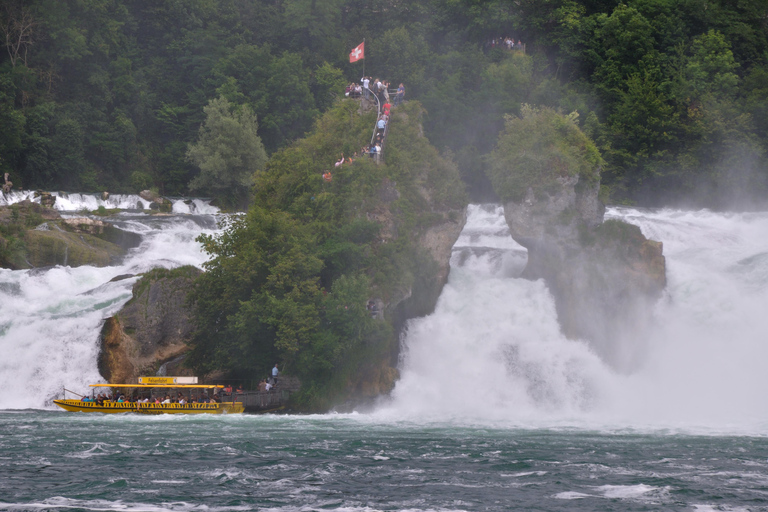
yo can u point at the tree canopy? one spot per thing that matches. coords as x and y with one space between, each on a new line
228 152
109 94
536 149
289 281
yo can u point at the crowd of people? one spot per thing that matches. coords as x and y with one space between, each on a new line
180 399
201 397
367 88
506 42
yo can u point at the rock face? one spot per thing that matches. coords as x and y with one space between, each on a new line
414 298
156 202
604 276
426 210
37 236
151 329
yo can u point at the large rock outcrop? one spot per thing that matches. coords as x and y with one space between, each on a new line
152 328
424 209
604 276
36 236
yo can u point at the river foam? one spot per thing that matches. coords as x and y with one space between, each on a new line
52 317
493 351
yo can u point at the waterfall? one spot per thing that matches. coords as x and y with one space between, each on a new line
50 319
493 349
77 202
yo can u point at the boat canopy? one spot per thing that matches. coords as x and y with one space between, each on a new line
153 386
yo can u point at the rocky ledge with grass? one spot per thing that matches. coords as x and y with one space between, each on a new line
32 236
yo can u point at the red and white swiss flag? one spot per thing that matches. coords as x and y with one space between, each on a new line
357 53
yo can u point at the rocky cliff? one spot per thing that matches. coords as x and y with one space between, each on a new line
32 236
415 296
604 276
436 196
151 329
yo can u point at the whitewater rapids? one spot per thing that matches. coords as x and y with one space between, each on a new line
50 318
493 351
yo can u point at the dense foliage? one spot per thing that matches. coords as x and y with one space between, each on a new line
107 94
289 281
228 153
536 149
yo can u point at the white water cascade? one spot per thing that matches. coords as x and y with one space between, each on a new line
493 352
74 202
50 319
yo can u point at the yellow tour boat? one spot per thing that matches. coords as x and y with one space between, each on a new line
145 388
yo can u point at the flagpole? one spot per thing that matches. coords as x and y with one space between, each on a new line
363 58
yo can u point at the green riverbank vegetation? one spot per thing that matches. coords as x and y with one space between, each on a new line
111 95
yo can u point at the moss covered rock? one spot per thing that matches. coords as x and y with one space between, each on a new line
604 276
289 282
54 246
151 329
32 235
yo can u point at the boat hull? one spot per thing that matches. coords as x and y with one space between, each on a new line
149 408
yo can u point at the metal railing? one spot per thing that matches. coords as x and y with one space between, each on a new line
259 400
379 154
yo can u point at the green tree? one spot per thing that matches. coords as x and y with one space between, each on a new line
536 149
228 152
258 299
711 66
327 85
11 125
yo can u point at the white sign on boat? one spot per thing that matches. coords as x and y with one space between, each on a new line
167 380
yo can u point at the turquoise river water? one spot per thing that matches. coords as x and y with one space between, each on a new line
58 461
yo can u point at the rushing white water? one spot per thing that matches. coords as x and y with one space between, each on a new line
74 202
51 318
706 359
493 350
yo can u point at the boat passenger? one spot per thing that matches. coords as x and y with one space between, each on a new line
167 400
